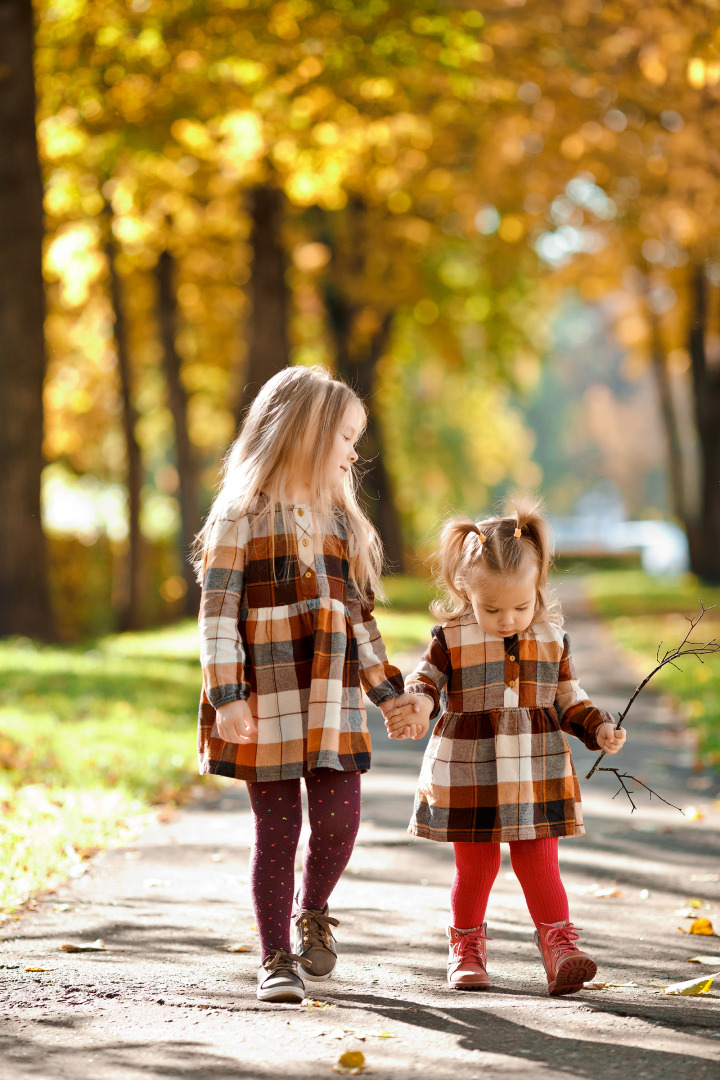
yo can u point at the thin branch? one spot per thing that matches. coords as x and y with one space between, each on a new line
686 647
623 787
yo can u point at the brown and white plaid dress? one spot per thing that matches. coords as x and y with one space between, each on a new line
282 627
498 766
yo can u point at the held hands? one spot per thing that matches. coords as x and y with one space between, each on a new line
609 738
407 716
235 723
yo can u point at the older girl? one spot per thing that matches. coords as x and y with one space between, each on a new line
498 766
289 564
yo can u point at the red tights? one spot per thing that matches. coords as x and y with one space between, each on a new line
535 863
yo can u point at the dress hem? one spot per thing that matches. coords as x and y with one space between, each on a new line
494 836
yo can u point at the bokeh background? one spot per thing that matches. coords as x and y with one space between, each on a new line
499 221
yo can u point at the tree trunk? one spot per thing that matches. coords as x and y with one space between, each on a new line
177 400
24 598
131 607
705 539
678 501
268 350
359 371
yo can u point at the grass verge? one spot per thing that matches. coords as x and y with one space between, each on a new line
644 612
90 739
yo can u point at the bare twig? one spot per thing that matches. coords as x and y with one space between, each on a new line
621 777
685 648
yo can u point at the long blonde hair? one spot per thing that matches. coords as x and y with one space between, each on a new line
500 546
295 415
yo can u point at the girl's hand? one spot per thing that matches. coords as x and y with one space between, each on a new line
235 723
410 719
610 738
389 707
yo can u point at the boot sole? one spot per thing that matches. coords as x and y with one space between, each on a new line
470 986
317 978
572 976
289 996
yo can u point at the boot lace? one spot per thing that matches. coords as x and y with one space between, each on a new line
561 939
315 927
469 947
281 961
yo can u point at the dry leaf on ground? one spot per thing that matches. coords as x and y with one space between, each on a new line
236 948
693 987
39 969
310 1003
91 946
351 1063
713 961
702 926
607 985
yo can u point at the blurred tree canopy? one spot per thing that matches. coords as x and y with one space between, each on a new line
398 190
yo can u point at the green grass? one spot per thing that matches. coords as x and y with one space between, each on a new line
89 741
405 620
642 612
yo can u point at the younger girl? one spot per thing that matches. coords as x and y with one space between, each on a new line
498 765
288 564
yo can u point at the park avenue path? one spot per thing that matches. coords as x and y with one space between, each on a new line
168 1000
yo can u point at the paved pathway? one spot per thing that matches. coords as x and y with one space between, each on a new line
168 1000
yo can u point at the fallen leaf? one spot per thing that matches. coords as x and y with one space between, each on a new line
92 946
39 969
702 926
695 903
608 893
310 1003
607 985
236 948
352 1063
713 961
387 1035
693 987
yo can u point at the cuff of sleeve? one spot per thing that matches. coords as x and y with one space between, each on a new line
386 690
592 725
223 695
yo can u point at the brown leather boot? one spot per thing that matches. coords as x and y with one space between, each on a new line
566 967
466 969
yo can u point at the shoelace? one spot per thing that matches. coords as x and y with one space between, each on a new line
315 927
469 948
561 939
280 961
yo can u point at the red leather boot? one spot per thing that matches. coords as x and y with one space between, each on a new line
566 967
466 968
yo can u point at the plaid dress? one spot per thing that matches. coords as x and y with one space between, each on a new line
282 627
498 766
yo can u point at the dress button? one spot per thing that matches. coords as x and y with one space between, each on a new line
305 543
300 513
512 659
511 683
309 573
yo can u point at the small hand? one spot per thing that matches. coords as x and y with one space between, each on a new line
235 723
387 708
410 720
610 738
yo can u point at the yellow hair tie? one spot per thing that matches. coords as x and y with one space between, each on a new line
482 537
518 532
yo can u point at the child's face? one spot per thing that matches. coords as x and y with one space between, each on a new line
504 606
343 453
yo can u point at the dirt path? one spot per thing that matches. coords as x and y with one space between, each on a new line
168 1000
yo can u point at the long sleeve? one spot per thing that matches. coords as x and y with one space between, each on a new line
222 656
380 680
433 672
578 716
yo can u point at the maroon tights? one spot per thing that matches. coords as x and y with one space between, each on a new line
334 812
535 863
